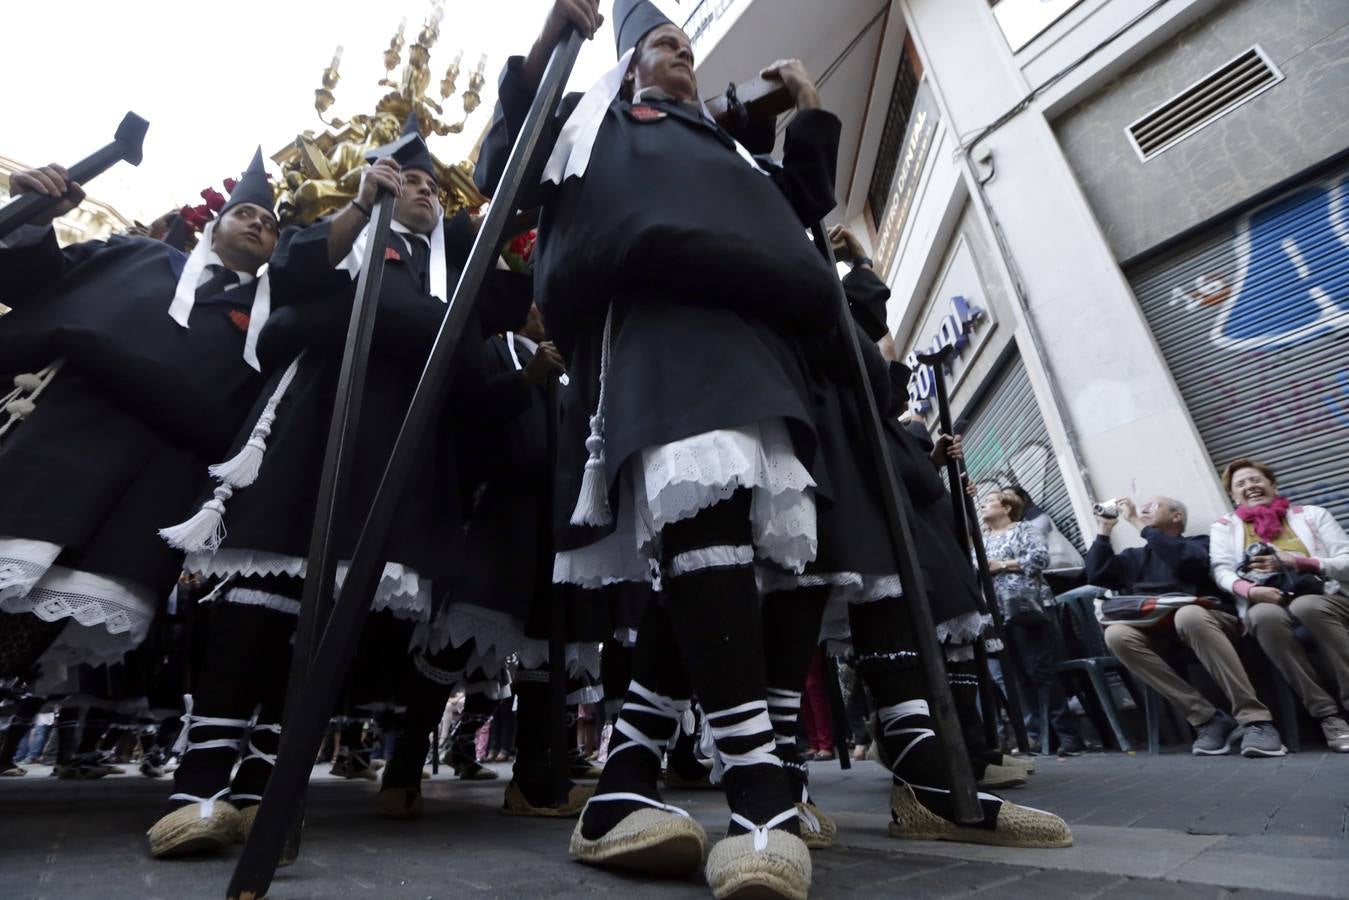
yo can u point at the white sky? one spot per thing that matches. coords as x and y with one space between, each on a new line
216 79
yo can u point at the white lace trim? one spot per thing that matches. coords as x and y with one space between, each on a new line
719 557
401 590
121 606
673 482
251 597
964 629
497 635
22 564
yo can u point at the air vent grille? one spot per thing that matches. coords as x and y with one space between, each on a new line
1205 101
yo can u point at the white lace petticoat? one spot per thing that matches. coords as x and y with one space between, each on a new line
115 612
401 590
675 481
496 635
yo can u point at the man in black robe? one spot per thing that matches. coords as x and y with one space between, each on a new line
268 491
674 271
139 364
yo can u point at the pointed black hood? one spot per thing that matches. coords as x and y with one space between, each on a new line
633 19
252 187
422 160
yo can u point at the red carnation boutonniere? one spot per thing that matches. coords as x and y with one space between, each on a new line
519 253
391 254
240 319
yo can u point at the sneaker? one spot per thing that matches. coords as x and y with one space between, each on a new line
1262 739
1336 731
1212 737
1071 746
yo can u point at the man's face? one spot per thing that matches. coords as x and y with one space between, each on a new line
665 61
244 237
1160 515
419 206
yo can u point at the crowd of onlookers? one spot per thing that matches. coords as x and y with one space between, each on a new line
1270 579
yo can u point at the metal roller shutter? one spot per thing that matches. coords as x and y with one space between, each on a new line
1006 443
1252 319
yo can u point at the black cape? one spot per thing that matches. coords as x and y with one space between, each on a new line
311 310
120 439
706 264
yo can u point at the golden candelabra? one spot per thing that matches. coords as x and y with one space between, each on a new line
322 172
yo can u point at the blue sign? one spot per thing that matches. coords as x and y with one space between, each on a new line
953 331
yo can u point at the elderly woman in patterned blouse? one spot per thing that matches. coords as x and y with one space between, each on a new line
1017 554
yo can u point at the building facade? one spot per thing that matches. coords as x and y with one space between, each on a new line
1129 219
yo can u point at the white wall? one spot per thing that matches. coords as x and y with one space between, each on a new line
1133 431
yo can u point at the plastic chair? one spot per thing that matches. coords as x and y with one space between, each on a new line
1096 662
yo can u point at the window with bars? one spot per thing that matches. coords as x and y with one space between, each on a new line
909 72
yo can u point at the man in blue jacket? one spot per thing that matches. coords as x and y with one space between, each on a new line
1170 562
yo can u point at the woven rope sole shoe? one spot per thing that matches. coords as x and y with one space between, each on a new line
515 803
651 841
1001 777
1017 826
817 828
194 829
399 803
737 868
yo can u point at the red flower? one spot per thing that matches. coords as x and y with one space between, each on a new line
196 217
214 199
229 184
522 245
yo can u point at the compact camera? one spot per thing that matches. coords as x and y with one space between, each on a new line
1107 509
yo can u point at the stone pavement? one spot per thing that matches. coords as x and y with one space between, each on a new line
1171 826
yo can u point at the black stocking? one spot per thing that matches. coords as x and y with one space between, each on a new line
243 667
883 642
791 624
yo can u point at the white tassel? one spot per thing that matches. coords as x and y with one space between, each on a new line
592 504
242 470
206 529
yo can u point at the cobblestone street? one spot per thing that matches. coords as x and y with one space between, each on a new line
1163 827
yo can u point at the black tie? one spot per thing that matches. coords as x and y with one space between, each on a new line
421 259
221 279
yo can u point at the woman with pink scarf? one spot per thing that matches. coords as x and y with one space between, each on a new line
1288 565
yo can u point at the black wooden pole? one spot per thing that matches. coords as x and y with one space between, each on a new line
125 146
894 499
338 640
838 713
557 611
970 535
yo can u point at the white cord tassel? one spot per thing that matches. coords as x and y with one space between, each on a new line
242 470
206 529
592 504
17 406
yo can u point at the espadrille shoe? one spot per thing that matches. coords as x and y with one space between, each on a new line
1021 762
202 827
247 816
516 803
817 829
761 863
399 803
1002 777
1017 826
662 840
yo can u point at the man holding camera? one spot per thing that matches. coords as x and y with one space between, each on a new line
1171 563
